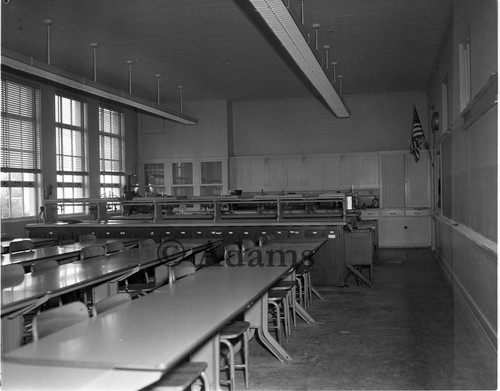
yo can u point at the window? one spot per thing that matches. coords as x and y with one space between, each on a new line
20 157
111 152
465 76
71 150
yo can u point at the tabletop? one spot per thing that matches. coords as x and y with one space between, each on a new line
158 330
76 275
18 377
26 258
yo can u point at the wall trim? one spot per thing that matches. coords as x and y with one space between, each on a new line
484 243
470 304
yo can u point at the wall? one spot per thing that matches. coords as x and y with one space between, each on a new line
306 126
466 222
162 139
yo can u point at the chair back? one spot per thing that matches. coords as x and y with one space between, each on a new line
12 275
92 252
21 245
87 238
111 302
147 243
231 250
45 264
50 321
263 239
247 244
114 247
182 269
169 247
66 241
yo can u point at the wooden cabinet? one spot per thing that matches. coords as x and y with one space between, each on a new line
405 183
331 173
257 175
405 228
417 181
360 171
239 175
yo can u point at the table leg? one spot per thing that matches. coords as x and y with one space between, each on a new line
210 353
257 316
303 313
12 333
357 273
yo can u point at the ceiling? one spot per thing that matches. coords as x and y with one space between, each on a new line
221 49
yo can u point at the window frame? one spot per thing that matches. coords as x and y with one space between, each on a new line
15 173
118 137
80 178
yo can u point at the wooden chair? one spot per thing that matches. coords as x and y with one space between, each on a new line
55 319
92 252
21 245
87 238
229 335
45 264
62 242
111 302
263 239
279 309
12 275
147 243
230 251
182 269
247 244
114 247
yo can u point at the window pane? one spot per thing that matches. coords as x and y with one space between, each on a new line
111 152
211 172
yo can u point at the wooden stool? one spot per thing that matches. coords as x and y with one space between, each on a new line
228 335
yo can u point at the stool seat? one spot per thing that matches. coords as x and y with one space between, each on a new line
234 330
181 377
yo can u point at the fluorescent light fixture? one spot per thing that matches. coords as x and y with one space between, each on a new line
284 27
30 66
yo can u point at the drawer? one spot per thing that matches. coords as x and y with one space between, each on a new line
370 214
393 213
417 212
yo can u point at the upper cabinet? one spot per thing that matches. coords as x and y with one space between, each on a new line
405 183
305 173
360 171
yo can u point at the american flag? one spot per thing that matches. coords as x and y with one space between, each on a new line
416 134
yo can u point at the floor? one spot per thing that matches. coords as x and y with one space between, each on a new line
407 332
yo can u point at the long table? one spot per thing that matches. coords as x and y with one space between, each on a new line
159 330
75 276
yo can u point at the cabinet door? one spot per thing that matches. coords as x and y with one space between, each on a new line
294 174
360 172
369 172
257 175
277 175
418 184
313 174
418 231
393 181
239 175
331 173
351 170
392 231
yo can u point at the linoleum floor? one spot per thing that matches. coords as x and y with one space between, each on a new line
410 331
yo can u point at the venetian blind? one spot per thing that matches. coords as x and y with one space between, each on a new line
20 128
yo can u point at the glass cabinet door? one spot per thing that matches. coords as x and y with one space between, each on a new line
182 179
211 179
154 174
